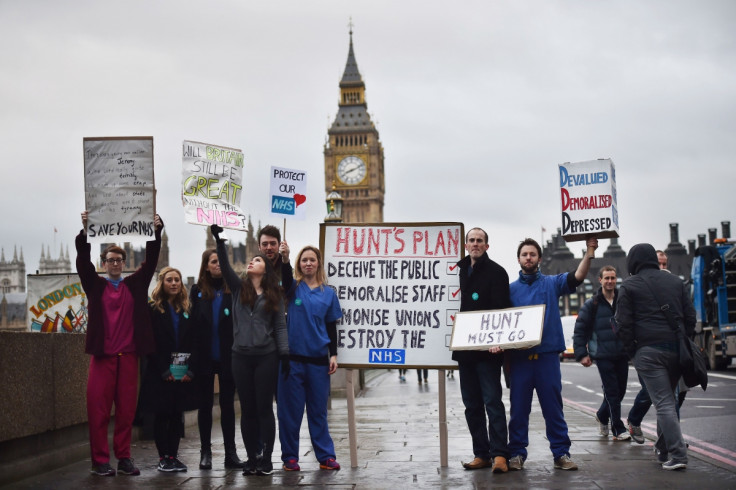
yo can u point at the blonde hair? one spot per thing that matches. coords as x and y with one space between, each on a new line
181 300
319 273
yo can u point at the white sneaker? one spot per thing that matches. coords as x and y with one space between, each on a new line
602 428
624 436
673 465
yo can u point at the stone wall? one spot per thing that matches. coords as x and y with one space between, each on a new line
43 379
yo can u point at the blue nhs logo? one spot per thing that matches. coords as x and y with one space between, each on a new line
283 205
386 356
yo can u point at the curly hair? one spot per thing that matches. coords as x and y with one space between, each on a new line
181 301
269 284
204 281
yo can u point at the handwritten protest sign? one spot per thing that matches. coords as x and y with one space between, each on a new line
510 328
288 193
588 198
212 184
399 290
119 189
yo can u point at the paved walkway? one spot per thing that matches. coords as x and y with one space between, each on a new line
398 448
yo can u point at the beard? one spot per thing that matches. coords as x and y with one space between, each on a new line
530 269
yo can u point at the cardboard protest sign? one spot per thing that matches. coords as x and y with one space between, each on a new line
399 290
288 193
510 328
119 189
588 199
212 184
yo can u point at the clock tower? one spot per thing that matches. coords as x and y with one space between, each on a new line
353 151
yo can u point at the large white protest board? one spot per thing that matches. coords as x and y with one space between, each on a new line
510 328
119 189
288 193
212 184
588 200
399 290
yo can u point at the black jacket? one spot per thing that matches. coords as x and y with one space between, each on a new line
594 335
638 314
202 318
487 288
157 394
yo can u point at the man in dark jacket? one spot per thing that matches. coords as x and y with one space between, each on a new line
594 339
652 342
484 285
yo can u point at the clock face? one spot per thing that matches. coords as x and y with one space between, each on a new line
351 170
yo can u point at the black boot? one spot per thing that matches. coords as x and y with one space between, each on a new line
232 461
205 460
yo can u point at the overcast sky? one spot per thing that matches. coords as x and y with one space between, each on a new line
477 102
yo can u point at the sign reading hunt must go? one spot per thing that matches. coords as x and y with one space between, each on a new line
399 291
588 199
510 328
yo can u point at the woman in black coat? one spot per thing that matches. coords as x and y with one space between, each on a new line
212 312
165 392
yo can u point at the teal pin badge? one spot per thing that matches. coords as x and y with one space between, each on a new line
475 296
186 315
298 301
227 312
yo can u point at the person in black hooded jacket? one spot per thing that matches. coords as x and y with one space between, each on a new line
653 344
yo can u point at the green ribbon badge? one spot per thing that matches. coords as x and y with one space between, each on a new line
475 296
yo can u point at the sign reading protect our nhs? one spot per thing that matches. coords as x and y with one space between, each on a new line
288 193
588 200
399 291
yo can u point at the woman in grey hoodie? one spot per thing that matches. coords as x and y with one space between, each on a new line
259 340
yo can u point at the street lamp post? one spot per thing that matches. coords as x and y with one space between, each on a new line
334 206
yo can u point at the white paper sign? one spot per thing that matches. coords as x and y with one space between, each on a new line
288 193
399 289
119 189
212 185
510 328
588 200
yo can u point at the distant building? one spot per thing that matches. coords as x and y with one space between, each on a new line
48 265
12 273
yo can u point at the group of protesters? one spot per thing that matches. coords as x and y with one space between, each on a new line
228 325
237 327
640 331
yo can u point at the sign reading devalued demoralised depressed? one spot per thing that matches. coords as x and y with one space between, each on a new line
588 199
510 328
212 185
119 189
399 290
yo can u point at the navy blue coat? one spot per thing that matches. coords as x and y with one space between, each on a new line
594 335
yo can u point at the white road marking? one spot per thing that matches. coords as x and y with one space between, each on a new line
585 389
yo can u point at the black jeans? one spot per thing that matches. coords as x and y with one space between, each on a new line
614 376
480 386
227 409
255 380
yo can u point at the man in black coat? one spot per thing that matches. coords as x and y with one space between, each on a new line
484 285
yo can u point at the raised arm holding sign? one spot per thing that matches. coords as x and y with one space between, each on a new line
538 369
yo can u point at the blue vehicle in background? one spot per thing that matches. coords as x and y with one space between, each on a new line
713 279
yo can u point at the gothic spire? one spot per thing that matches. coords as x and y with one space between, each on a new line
351 75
